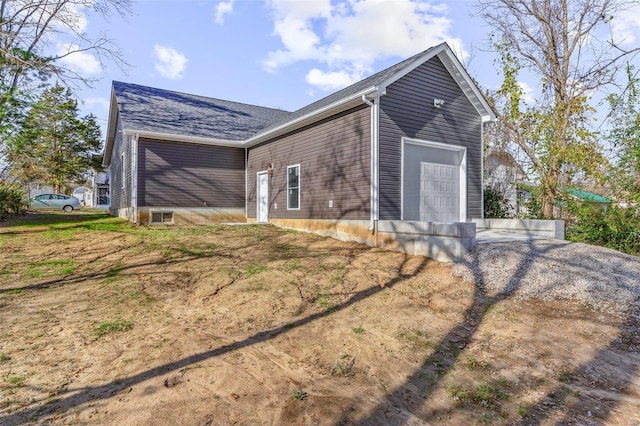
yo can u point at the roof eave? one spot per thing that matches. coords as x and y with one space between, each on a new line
459 73
313 117
111 128
183 138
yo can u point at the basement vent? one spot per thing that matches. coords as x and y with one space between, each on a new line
162 217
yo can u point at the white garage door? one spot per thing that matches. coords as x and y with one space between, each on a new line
439 192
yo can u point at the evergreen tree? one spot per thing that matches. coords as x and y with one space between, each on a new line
55 145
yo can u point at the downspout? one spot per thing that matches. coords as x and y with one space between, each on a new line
134 177
374 161
482 153
246 184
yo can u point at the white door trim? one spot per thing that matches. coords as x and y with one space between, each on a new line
266 173
438 145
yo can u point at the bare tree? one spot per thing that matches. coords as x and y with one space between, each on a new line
567 44
30 28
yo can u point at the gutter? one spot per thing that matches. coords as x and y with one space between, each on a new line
374 164
184 138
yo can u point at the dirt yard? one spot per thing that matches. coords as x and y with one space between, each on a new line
102 322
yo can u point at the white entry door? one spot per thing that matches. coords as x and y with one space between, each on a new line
263 197
439 192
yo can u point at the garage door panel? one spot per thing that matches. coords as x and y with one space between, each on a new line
439 192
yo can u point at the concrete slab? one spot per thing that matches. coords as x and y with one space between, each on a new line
493 236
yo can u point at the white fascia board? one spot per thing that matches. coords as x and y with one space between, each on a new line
327 111
111 129
449 59
183 138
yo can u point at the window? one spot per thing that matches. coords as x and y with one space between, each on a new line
162 217
122 166
293 187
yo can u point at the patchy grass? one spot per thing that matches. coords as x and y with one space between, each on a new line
113 327
299 395
50 268
252 269
15 380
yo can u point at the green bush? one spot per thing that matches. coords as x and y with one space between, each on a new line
495 205
12 201
615 227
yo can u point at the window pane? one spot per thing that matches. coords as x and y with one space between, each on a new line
293 198
293 177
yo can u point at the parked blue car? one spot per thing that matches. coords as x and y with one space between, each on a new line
54 202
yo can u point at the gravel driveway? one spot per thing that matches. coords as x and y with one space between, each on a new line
604 279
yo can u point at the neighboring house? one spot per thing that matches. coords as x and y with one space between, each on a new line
503 173
560 210
84 195
100 189
590 197
401 146
35 189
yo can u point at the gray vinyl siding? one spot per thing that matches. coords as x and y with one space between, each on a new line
407 110
120 196
178 174
334 157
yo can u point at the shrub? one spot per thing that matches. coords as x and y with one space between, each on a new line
496 206
12 201
615 227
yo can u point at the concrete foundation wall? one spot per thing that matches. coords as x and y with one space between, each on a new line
195 216
533 227
445 242
345 230
123 213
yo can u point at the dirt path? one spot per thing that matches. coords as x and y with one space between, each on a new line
105 323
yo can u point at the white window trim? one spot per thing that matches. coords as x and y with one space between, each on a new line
463 171
261 172
123 173
299 186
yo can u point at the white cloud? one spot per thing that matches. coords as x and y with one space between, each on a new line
626 25
332 80
348 37
223 8
81 62
527 93
169 62
91 103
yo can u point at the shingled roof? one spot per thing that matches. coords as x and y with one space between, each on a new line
149 109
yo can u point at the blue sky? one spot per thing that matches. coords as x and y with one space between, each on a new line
278 53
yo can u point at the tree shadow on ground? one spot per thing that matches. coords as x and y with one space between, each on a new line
70 398
406 403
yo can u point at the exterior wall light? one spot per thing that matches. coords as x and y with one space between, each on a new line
437 103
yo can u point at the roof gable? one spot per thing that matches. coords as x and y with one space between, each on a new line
373 86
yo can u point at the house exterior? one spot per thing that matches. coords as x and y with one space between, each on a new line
395 154
35 189
100 189
503 173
